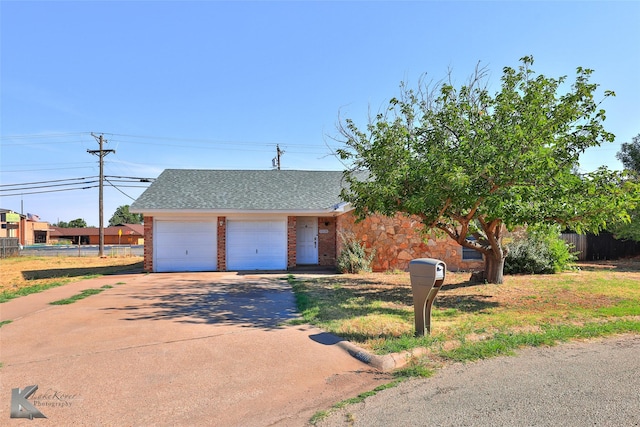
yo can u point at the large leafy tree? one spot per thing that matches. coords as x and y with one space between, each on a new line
472 164
74 223
123 216
629 155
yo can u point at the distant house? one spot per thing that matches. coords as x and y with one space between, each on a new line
125 234
208 220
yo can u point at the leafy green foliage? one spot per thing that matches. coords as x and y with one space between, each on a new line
354 258
123 216
538 250
629 154
630 230
474 164
74 223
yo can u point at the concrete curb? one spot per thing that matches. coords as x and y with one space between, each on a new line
386 363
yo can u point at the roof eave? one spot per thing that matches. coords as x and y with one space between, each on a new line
333 211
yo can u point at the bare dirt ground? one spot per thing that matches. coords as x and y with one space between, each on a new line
21 272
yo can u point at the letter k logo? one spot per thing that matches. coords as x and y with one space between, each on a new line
21 407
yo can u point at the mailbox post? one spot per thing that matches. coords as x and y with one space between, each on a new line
427 276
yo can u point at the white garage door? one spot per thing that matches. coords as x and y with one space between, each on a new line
257 245
185 246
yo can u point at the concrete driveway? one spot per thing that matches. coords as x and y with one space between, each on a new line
172 349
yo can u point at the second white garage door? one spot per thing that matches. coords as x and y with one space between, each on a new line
256 245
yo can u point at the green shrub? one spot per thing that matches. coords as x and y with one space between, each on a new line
539 250
354 258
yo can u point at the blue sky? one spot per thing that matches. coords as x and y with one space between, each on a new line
210 84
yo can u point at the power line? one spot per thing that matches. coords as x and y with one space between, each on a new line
119 189
116 137
43 135
49 191
46 169
65 182
47 186
205 140
46 164
47 182
142 179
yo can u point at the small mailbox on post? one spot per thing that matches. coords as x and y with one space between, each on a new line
427 276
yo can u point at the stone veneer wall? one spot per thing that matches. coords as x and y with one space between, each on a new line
327 248
399 239
148 244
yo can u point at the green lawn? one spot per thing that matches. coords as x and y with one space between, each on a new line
471 321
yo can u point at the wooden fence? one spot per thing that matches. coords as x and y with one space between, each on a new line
9 246
604 246
579 242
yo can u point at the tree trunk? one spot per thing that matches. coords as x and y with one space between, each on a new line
494 268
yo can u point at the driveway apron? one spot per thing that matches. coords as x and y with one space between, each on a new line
172 349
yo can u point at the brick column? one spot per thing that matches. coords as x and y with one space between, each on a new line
291 242
148 244
222 243
327 246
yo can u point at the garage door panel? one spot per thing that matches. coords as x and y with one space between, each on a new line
185 246
186 251
256 245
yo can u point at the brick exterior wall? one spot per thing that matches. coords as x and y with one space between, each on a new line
222 243
399 239
327 247
291 242
148 244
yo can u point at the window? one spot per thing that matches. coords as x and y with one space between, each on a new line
469 254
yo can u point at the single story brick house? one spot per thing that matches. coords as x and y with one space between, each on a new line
123 234
219 220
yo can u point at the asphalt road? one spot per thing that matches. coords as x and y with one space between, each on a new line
577 384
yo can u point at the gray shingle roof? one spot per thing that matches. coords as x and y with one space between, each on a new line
242 190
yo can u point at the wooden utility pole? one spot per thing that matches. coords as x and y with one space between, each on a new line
101 153
276 160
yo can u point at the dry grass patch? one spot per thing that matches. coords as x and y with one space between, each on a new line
22 272
376 309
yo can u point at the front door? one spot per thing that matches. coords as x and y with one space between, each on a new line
307 240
